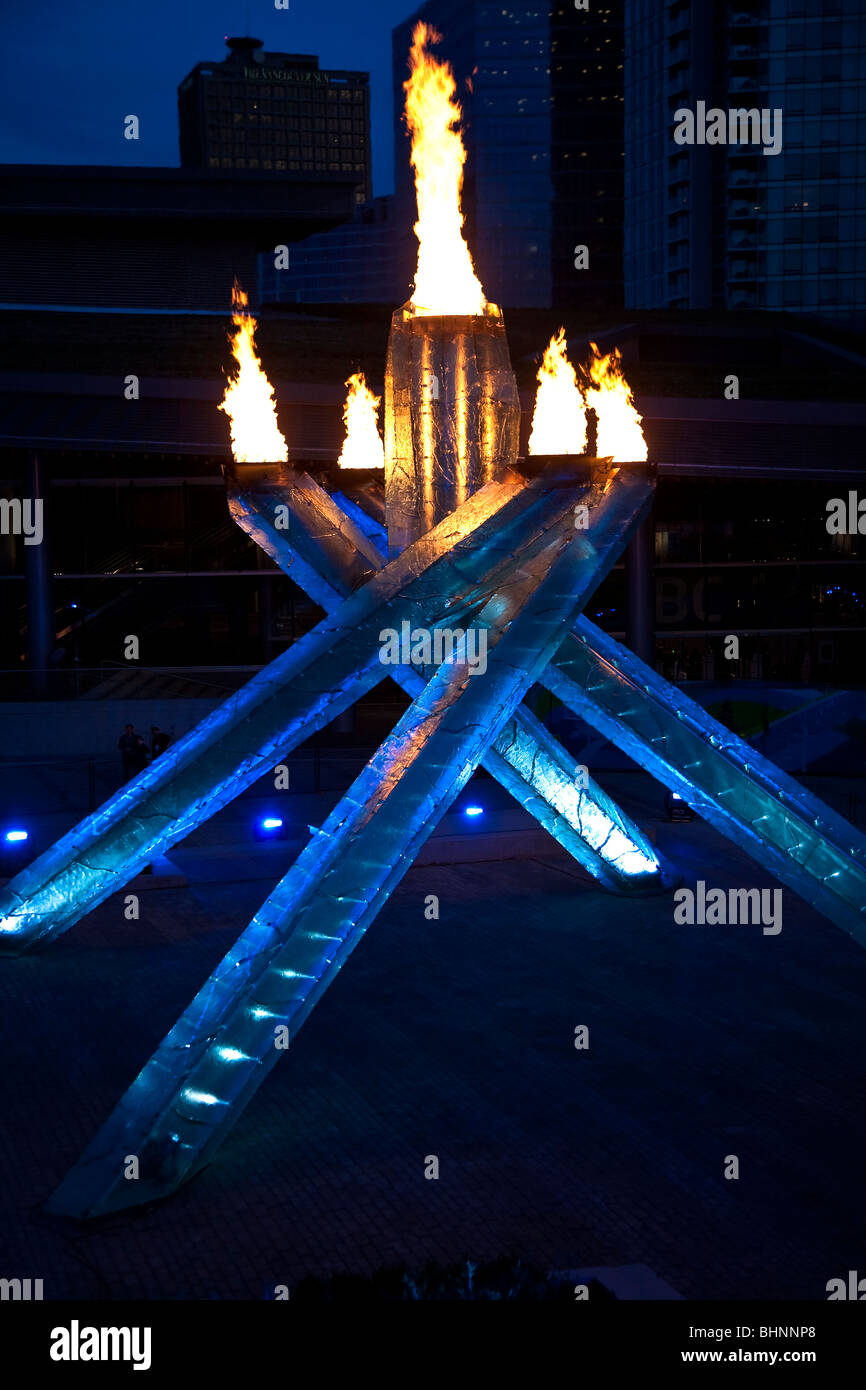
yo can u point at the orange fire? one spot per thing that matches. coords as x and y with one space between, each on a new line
619 430
559 419
249 396
445 282
362 447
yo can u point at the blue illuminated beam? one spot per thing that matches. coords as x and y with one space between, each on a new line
318 550
192 1091
771 816
295 521
446 572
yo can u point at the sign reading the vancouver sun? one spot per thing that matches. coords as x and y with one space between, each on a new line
287 74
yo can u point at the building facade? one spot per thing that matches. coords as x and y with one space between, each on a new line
275 111
358 262
586 89
717 222
540 86
541 90
149 239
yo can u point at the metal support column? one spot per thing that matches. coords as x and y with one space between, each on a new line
640 593
40 606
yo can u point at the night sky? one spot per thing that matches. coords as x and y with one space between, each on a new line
74 71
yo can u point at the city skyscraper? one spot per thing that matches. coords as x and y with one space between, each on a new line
586 85
500 56
275 111
541 92
725 224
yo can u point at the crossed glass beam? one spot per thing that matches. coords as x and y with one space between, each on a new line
326 548
508 561
747 798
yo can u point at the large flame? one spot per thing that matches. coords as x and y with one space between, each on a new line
362 447
559 419
619 431
445 282
249 396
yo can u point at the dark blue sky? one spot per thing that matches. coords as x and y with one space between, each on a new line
73 71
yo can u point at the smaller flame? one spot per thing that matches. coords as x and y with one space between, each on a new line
362 447
620 436
249 396
559 419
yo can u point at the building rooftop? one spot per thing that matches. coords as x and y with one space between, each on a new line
247 53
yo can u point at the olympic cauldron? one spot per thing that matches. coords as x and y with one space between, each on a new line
464 532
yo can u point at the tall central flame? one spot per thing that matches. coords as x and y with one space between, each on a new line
445 282
249 396
362 447
559 419
619 429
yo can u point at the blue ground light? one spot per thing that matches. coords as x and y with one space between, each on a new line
269 828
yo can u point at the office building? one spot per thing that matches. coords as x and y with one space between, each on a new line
151 238
541 95
275 111
586 86
541 92
715 221
357 262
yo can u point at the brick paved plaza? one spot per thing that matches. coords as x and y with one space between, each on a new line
455 1038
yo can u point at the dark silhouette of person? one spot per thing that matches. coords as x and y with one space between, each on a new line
133 751
159 741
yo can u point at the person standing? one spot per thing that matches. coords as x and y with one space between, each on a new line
133 752
159 741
